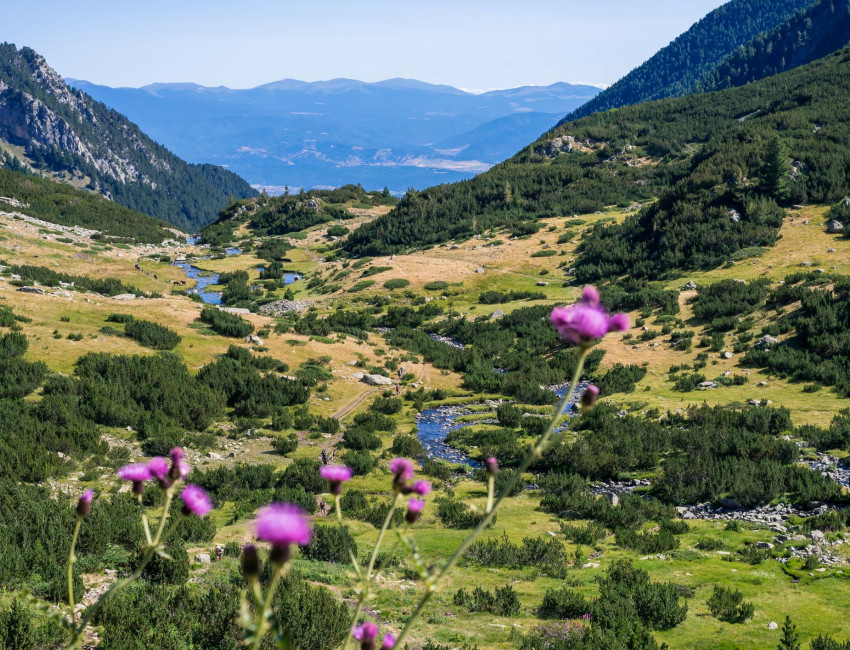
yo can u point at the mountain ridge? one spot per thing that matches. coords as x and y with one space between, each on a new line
50 128
333 133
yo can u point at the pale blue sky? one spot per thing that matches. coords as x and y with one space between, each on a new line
472 44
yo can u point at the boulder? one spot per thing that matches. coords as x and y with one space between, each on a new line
377 380
728 355
480 269
124 296
764 545
203 558
497 314
37 290
772 626
690 286
241 311
767 341
253 338
834 227
817 536
730 503
540 283
707 385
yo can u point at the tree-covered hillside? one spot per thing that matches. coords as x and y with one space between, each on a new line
62 204
676 69
64 132
821 29
704 155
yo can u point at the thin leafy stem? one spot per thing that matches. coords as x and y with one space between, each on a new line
533 454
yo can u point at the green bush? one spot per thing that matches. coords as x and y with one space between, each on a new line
362 462
285 444
152 335
328 545
436 285
396 283
225 323
407 446
160 570
728 605
563 604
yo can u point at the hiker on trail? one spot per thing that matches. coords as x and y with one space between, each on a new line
400 373
324 456
323 507
397 389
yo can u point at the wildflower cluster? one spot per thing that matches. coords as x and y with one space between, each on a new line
168 477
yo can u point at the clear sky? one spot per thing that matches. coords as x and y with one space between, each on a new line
471 44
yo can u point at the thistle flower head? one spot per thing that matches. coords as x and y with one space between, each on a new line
336 475
366 632
176 455
158 467
414 510
587 320
282 524
389 642
422 488
491 466
196 501
402 469
137 472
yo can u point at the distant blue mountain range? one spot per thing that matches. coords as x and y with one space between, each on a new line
397 133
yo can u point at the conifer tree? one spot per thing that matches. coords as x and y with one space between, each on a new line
789 636
776 170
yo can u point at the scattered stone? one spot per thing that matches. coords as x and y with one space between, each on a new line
253 338
728 355
497 314
690 286
540 283
834 226
124 296
764 545
707 385
241 311
37 290
203 558
772 626
377 380
480 269
280 307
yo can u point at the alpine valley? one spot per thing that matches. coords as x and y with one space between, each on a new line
688 490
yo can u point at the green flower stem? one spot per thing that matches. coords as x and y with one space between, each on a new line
366 582
145 524
535 453
150 549
338 509
71 559
491 488
279 570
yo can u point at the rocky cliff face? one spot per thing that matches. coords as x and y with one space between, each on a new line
64 131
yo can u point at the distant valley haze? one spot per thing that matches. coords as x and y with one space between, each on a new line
397 133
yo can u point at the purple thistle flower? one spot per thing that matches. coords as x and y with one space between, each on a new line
176 455
336 475
402 469
590 395
180 469
158 467
587 320
196 501
366 632
282 524
84 503
414 510
389 642
491 466
422 488
137 473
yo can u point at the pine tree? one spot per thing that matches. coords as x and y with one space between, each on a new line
789 636
776 170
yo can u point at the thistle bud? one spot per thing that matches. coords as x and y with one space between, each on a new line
250 561
84 503
591 394
491 466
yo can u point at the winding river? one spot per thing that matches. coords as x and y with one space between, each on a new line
434 425
204 279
